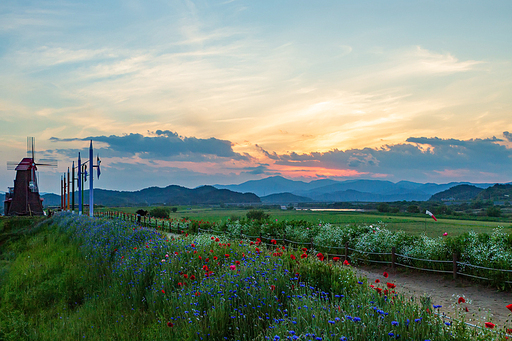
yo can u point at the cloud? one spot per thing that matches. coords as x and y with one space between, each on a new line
166 145
418 159
507 135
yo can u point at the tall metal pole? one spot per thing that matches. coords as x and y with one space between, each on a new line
69 187
73 187
91 187
61 192
64 203
79 184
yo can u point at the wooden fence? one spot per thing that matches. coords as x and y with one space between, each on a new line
393 259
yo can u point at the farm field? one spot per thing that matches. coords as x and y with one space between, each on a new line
414 225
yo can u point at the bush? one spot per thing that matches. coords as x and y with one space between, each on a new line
413 209
383 207
174 209
257 215
493 211
160 212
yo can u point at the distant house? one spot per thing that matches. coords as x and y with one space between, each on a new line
283 207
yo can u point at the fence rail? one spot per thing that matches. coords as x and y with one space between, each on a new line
392 258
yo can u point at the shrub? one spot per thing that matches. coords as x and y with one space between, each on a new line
257 215
160 212
493 211
383 207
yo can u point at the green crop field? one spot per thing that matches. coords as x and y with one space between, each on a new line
413 224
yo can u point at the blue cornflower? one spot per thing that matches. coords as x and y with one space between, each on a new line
394 323
291 332
391 334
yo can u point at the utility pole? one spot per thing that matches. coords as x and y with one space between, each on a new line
73 187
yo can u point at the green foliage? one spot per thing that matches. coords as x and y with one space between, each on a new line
92 279
383 207
493 211
257 215
160 212
413 209
174 209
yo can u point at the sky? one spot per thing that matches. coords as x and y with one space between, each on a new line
221 92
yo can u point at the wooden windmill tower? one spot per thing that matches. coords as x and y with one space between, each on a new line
23 198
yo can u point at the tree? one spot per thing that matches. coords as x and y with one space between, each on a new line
413 209
383 207
174 209
160 212
257 215
493 211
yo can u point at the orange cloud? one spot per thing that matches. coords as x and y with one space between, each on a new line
315 172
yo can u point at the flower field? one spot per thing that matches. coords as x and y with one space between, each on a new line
96 279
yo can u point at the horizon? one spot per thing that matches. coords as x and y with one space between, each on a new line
222 92
279 176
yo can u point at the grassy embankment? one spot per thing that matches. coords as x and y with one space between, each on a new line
79 278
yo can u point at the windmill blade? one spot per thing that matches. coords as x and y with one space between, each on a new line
11 165
30 147
52 163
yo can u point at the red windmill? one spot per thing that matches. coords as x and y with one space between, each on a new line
23 198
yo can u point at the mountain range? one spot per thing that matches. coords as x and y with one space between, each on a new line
170 195
350 190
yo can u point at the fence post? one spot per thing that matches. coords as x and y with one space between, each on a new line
311 244
346 251
454 265
393 257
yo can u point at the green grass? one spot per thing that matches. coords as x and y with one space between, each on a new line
91 279
412 224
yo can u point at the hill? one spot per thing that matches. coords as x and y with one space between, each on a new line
457 193
498 192
284 198
170 195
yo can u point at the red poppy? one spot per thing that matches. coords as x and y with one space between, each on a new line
345 262
163 291
391 285
252 243
122 257
197 293
192 245
467 310
214 257
377 280
229 244
206 259
372 286
237 262
489 325
272 287
462 300
217 239
176 253
273 241
226 255
115 250
509 307
135 248
185 275
379 290
180 284
257 250
385 274
192 277
170 324
212 238
320 256
292 257
335 259
304 249
303 256
205 267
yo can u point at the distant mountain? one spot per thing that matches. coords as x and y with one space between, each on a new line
457 193
284 198
349 190
170 195
498 192
276 184
50 199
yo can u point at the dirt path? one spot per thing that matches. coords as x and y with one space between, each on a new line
484 304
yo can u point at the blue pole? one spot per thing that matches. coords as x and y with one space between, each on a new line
91 187
79 185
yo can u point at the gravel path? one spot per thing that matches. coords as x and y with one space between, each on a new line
485 304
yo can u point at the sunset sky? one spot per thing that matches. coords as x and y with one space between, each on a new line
220 92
